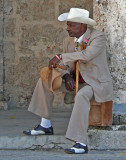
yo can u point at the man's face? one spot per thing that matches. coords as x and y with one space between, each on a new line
76 29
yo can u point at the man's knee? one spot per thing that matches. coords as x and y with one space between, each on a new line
85 92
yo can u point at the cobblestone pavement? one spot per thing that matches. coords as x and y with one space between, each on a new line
60 155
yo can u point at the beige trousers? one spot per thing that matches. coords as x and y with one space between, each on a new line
41 104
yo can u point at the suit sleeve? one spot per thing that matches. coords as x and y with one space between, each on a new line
97 43
63 72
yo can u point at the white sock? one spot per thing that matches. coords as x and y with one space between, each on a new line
45 123
81 143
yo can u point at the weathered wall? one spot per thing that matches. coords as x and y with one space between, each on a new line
111 15
32 35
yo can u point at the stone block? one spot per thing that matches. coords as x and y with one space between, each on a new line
116 119
1 77
103 139
85 4
9 52
1 27
1 96
3 105
1 6
25 75
31 35
36 10
1 70
42 42
9 27
59 100
8 7
1 50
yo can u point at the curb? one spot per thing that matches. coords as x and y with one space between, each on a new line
98 140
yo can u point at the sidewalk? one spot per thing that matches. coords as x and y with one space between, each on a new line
60 155
13 122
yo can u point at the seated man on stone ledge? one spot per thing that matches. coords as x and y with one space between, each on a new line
94 76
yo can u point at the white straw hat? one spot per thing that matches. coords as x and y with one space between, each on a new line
77 15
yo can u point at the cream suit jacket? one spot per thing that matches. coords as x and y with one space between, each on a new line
93 66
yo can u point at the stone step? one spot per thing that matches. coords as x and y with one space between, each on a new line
13 122
98 140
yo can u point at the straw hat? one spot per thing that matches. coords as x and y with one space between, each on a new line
51 78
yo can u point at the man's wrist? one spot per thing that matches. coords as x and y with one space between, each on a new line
67 75
59 57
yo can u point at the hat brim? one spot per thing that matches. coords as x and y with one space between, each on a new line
89 21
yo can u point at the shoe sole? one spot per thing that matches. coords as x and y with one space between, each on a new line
38 134
73 152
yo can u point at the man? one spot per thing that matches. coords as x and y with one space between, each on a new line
94 76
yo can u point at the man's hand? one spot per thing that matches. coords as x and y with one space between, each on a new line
54 61
69 82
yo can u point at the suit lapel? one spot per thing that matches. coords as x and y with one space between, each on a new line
87 35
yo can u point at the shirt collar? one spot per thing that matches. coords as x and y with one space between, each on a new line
79 39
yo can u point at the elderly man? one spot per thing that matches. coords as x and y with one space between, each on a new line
94 77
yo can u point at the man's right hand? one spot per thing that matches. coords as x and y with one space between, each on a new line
69 82
54 61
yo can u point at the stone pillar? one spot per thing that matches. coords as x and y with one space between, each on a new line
111 15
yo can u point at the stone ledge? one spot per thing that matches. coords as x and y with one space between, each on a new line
109 128
98 139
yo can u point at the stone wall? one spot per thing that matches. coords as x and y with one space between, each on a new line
29 36
111 15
